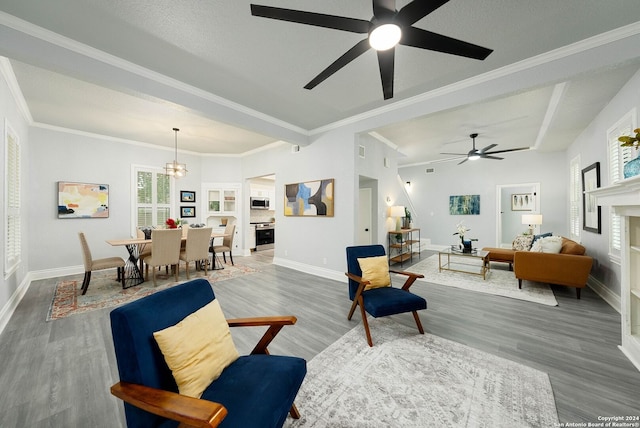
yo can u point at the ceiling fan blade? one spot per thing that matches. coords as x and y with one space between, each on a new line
386 63
419 38
456 154
416 10
311 18
489 147
360 48
507 150
384 8
490 157
463 161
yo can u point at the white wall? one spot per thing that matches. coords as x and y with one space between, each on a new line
591 145
430 194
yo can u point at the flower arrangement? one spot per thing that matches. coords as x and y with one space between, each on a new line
173 224
630 141
461 229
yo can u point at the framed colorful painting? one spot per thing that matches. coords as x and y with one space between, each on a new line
310 198
83 200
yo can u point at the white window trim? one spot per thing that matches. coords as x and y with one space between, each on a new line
616 157
575 199
13 257
134 201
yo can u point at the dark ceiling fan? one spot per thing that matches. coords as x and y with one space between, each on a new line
483 153
385 18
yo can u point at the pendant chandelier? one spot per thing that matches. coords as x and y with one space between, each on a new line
174 168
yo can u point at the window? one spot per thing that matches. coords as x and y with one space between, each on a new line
618 157
575 198
152 204
12 237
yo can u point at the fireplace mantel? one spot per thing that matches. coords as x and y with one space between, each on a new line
624 197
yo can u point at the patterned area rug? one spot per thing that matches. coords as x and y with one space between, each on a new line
498 282
411 380
105 292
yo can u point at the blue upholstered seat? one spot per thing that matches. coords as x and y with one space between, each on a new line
257 390
380 302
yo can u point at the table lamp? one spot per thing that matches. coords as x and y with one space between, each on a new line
398 212
532 220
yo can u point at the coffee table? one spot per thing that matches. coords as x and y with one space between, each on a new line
461 265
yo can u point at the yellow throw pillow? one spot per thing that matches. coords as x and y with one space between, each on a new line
198 349
376 271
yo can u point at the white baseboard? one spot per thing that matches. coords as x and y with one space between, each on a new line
7 311
603 291
312 270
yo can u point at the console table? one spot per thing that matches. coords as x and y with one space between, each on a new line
401 245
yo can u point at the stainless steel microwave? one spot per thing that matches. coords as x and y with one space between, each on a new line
257 203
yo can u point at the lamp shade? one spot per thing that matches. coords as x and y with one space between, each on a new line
396 211
532 219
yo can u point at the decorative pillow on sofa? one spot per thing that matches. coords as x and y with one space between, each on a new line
542 235
549 244
198 349
376 271
522 242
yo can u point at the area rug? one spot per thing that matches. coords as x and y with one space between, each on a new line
105 292
411 380
499 282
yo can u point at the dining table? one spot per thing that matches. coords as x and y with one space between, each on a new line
135 246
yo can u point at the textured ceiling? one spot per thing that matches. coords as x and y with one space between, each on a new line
232 82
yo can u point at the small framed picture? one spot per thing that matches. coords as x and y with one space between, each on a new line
522 202
187 212
187 196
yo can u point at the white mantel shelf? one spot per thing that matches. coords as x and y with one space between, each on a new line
623 193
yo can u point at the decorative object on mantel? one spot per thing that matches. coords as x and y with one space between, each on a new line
176 169
631 168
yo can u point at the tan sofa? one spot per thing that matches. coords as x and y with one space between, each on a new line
570 267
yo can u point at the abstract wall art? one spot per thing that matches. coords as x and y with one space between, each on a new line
522 202
83 200
310 198
464 205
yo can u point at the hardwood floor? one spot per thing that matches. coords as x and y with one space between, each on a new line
58 374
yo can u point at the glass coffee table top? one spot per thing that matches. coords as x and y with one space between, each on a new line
445 262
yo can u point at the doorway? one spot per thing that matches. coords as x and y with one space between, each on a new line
514 200
366 224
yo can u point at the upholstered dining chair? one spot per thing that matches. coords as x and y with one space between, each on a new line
370 287
256 390
91 264
165 251
227 243
197 248
145 249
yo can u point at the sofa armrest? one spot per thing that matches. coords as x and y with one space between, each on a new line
562 269
187 410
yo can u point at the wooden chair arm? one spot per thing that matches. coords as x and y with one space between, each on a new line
258 321
186 410
275 324
411 277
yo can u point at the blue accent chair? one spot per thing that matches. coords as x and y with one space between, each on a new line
384 301
257 390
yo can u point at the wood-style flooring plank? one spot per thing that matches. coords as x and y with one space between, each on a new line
58 373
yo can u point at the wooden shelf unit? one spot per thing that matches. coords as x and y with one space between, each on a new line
400 252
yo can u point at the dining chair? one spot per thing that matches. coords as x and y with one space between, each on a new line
165 251
91 264
197 248
144 250
227 243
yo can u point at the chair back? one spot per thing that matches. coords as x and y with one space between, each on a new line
353 267
165 246
197 247
185 230
229 231
138 356
86 252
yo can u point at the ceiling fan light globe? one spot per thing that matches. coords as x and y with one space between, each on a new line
474 156
385 36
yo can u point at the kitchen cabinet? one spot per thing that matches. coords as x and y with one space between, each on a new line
221 199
